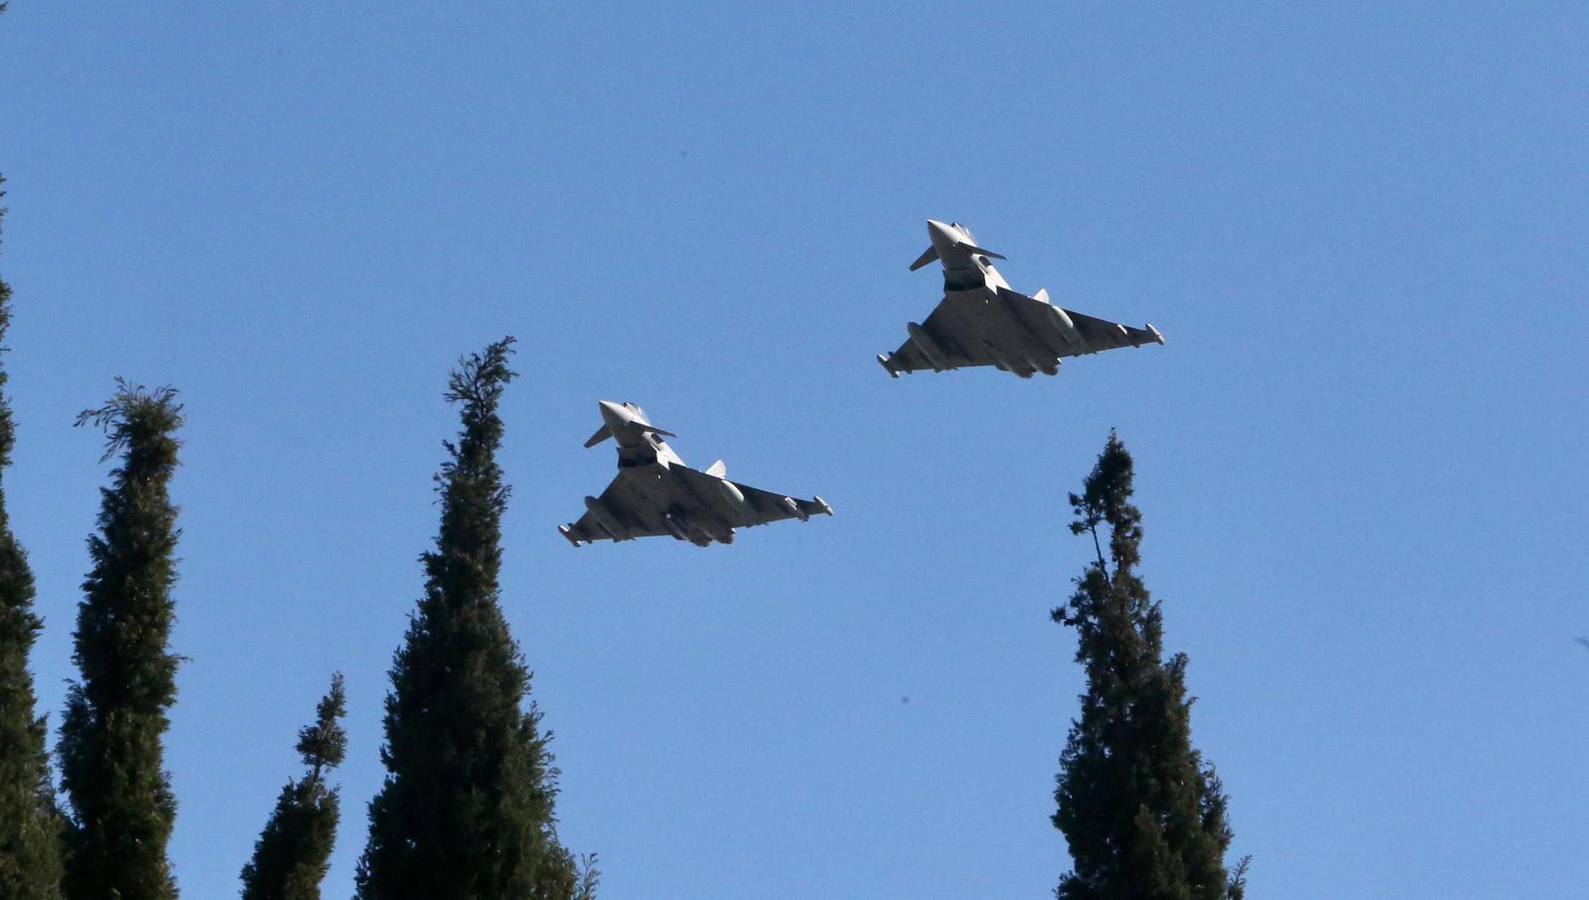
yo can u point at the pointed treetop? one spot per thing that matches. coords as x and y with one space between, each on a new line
1143 813
480 376
477 383
324 744
467 808
1106 499
293 853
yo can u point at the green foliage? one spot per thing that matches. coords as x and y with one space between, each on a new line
30 863
110 747
589 877
324 744
1144 816
293 853
467 807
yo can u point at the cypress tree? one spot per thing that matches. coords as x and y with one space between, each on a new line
467 806
30 863
294 851
1144 815
111 755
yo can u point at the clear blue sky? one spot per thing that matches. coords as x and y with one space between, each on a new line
1362 228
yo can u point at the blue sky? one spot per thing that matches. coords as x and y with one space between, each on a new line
1360 226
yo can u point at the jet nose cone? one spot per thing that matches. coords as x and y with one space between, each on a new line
942 233
613 412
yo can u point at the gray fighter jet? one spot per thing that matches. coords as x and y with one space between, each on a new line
655 493
981 322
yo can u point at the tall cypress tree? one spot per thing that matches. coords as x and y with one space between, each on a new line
112 763
294 851
30 863
467 807
1143 814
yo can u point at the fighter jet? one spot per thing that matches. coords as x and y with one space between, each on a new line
655 493
982 322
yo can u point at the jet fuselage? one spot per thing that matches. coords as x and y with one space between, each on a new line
639 442
966 267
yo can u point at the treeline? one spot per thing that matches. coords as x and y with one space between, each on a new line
467 808
468 805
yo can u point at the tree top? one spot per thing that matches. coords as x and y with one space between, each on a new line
1106 499
135 416
480 377
324 744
